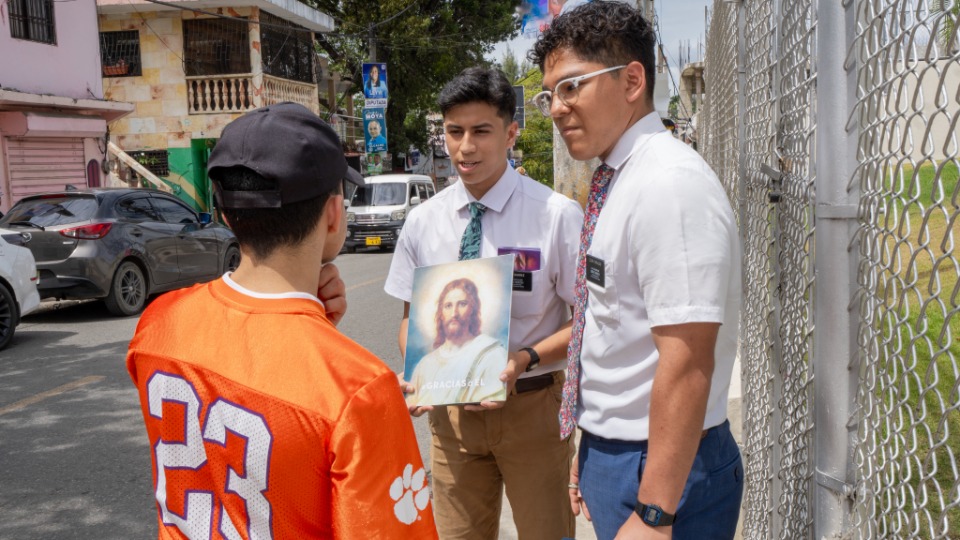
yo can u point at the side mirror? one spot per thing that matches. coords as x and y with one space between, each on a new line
205 218
414 200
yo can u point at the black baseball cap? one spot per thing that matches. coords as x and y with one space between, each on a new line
286 143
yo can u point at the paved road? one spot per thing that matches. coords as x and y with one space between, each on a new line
74 459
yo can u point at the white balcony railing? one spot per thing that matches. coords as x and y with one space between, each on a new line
217 94
277 90
220 93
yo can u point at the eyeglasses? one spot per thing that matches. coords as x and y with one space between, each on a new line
567 90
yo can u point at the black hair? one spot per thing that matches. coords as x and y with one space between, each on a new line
607 32
264 230
485 85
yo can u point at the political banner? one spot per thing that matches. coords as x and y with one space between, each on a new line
375 86
375 130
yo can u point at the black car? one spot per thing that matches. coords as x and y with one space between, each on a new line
120 244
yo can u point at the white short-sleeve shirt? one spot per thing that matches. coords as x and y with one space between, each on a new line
670 251
521 213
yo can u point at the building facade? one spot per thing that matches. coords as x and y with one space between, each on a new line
191 69
53 115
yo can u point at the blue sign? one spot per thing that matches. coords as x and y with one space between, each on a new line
375 130
375 85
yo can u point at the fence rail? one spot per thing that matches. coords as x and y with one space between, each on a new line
834 128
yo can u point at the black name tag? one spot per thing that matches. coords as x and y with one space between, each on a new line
595 271
523 281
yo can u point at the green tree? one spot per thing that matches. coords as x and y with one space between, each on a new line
536 139
673 109
509 65
424 43
947 31
512 68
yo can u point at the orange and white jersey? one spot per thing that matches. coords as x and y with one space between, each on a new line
265 422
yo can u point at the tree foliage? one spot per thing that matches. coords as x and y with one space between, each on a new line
424 43
512 68
536 139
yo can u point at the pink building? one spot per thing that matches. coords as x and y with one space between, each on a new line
53 116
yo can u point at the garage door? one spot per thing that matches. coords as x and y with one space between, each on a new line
39 164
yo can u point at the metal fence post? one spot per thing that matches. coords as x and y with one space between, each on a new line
836 269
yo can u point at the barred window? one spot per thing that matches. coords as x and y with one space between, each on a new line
120 53
154 161
216 47
32 20
287 52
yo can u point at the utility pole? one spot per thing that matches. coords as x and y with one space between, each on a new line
372 44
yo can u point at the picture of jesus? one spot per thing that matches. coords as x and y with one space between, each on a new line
465 365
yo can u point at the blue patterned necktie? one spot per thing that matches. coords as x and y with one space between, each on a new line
571 387
470 243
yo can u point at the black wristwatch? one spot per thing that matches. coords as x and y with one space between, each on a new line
653 515
534 359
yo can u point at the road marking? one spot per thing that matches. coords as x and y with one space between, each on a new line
50 393
365 283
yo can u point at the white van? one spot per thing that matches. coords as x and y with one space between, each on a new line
377 212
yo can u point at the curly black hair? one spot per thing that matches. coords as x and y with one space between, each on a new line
474 84
608 32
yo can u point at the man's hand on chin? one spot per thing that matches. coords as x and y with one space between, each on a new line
636 529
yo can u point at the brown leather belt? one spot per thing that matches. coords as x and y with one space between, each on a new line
531 384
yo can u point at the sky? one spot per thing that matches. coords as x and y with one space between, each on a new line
680 21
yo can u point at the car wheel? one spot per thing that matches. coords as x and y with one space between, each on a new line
8 316
128 292
231 260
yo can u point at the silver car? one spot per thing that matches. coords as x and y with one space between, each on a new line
18 282
120 244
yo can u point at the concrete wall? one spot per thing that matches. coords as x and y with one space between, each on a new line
69 68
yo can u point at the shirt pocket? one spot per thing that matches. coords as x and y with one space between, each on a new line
530 303
603 302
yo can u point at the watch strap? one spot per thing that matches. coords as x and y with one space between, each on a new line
653 515
534 359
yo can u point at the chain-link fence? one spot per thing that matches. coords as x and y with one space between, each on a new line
811 103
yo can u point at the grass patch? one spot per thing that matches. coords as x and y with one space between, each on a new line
921 387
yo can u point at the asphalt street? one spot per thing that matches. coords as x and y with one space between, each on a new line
74 458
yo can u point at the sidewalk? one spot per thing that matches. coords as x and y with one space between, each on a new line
508 530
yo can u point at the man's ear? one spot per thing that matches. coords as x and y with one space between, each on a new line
333 213
636 81
513 130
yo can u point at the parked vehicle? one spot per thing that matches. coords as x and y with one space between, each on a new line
120 244
378 210
18 282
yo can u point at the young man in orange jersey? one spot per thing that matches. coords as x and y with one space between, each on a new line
265 421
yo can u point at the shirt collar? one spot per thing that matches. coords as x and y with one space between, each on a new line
634 138
494 199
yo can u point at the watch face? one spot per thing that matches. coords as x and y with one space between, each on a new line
652 516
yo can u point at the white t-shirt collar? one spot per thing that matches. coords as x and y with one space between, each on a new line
267 296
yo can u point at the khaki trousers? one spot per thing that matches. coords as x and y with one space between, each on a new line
476 454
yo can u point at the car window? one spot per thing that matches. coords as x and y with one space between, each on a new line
422 192
386 194
430 191
174 212
51 211
136 208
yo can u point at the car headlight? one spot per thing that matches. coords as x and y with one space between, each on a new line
398 215
351 217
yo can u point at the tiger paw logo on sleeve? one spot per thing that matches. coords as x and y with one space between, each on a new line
410 493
